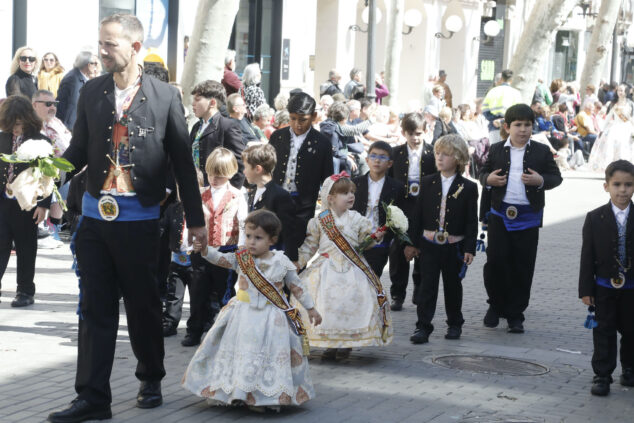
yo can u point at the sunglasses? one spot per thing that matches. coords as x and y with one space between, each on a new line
48 103
29 58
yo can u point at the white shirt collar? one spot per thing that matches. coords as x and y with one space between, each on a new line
618 211
418 151
508 144
220 189
449 179
372 182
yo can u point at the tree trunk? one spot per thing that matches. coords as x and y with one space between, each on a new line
394 48
208 45
536 40
597 51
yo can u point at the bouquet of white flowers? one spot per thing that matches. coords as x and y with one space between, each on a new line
39 179
395 220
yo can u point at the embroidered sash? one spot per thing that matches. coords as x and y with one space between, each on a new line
328 224
266 288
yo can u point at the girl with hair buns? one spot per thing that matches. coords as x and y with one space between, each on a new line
347 293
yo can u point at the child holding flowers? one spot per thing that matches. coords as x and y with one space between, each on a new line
346 291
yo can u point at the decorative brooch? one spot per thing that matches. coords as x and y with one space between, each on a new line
125 119
458 191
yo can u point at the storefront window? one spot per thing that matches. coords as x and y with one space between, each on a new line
565 55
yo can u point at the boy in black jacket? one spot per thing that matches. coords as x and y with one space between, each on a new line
517 172
605 278
259 162
412 161
443 229
374 189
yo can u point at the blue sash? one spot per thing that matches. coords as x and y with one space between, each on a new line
605 282
130 209
526 217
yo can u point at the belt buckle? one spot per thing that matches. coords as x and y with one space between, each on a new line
511 212
108 208
414 189
618 282
441 237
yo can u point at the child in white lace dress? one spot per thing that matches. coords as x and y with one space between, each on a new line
346 291
254 353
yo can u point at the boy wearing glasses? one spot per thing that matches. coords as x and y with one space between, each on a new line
605 278
374 189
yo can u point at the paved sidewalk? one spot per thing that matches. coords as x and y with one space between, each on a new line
400 383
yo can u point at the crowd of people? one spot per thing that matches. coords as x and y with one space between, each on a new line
274 218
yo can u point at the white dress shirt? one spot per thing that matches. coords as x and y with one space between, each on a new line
218 193
446 183
259 192
621 215
291 167
374 194
515 188
413 172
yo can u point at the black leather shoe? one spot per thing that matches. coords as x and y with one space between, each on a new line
420 336
397 304
190 340
168 330
515 326
22 300
627 377
491 319
600 386
80 411
149 395
453 332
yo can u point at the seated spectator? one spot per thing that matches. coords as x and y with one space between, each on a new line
585 124
443 124
237 110
355 112
281 119
280 101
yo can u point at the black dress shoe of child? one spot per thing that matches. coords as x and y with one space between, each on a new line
149 395
80 411
453 332
420 336
601 386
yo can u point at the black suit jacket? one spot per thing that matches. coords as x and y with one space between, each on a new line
400 168
277 200
6 146
461 216
536 157
314 164
172 223
599 248
392 191
221 132
158 111
68 96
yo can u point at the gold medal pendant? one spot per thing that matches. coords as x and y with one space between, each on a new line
619 281
511 212
414 189
440 237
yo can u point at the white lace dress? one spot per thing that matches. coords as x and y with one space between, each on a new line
343 295
251 353
615 142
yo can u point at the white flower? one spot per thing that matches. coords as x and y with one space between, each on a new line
34 149
397 218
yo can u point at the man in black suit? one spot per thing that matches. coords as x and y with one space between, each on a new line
304 159
259 162
72 83
412 161
374 189
128 127
517 173
214 130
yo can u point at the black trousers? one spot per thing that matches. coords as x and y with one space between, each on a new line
377 258
117 257
208 281
179 278
508 272
164 261
399 272
18 226
614 313
436 260
302 217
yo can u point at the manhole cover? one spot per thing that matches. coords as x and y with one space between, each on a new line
491 365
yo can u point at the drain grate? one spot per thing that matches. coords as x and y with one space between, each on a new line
491 365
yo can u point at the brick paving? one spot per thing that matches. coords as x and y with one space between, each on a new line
400 383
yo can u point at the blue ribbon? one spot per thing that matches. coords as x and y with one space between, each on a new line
590 322
130 208
75 266
526 217
605 282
